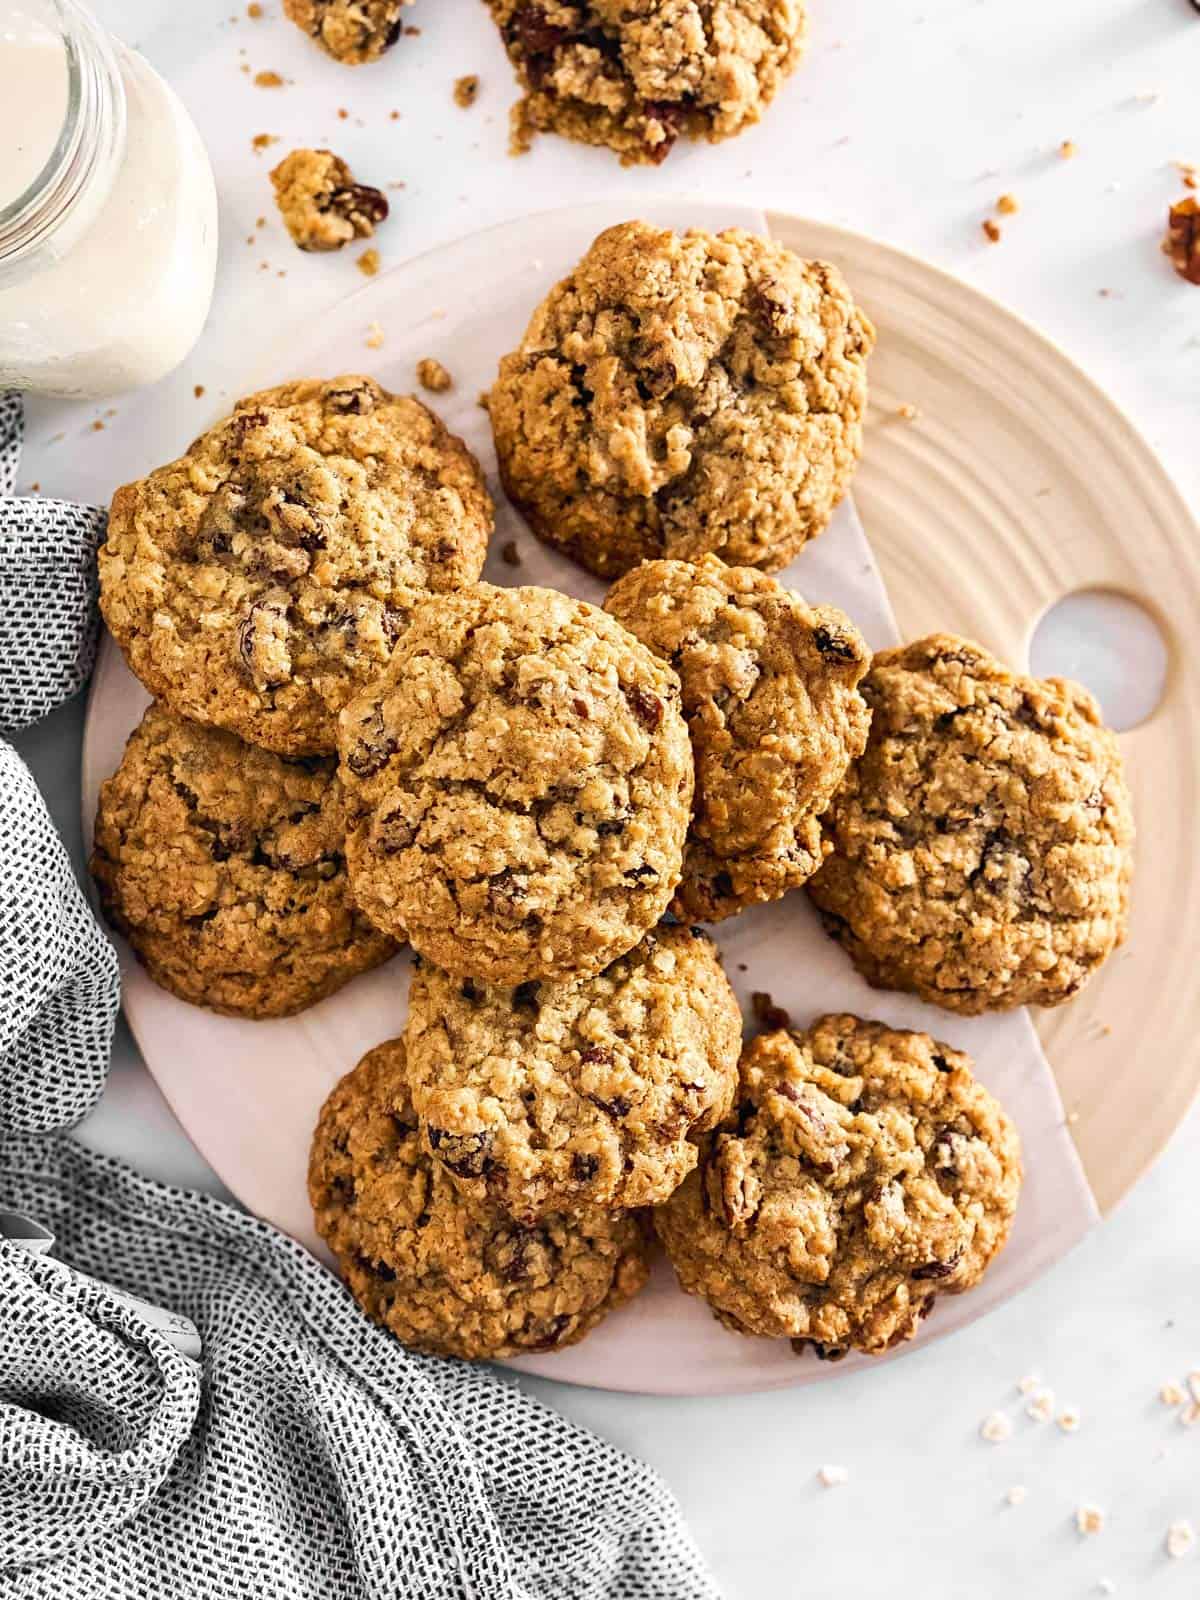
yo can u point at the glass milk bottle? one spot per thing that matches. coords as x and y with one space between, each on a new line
108 212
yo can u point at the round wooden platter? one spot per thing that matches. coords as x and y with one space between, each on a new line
1016 482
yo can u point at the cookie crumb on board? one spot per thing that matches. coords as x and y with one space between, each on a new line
1089 1519
254 11
509 554
1181 1537
1068 149
268 80
198 391
321 204
262 141
907 412
992 229
432 375
1182 241
1008 205
832 1477
1041 1406
368 263
1069 1419
1016 1495
466 90
374 336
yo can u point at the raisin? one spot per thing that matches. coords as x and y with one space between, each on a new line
596 1056
937 1269
362 208
393 833
535 33
835 645
768 1013
584 1167
525 996
372 747
617 1107
545 1335
470 992
669 116
823 1352
467 1154
646 707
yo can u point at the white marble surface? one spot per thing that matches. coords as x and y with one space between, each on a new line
907 121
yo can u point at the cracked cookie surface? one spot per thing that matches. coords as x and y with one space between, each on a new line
582 1092
520 781
678 395
636 74
863 1172
351 31
444 1274
322 206
982 844
222 865
772 705
261 580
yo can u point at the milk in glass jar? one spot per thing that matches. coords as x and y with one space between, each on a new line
108 212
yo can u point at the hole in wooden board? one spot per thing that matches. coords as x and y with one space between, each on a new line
1110 643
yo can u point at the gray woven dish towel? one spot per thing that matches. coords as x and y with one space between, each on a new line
305 1453
59 984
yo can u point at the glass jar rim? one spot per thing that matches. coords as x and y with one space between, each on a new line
78 156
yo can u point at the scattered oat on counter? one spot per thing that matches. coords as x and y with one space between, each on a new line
1041 1406
1089 1519
1027 1385
1008 205
322 205
254 11
907 411
1171 1394
992 229
466 90
263 141
368 263
995 1427
1069 1420
832 1477
433 376
1181 1537
1016 1495
1182 241
1067 149
374 336
268 80
1190 1415
509 554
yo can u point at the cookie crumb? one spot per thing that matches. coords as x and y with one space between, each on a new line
368 262
1182 241
1027 1385
767 1014
1041 1406
466 90
1181 1537
992 229
1016 1495
97 426
263 141
509 554
198 391
907 411
1193 1383
1069 1420
1068 149
1190 1415
995 1427
254 11
1089 1519
374 336
832 1477
1008 205
433 376
1171 1394
268 80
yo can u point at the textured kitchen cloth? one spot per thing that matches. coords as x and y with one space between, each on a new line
307 1455
59 985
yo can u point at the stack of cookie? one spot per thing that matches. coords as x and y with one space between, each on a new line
542 798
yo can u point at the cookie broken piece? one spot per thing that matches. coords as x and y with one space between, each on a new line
770 694
1182 241
982 843
223 866
441 1272
321 205
578 1092
863 1172
635 75
681 394
351 31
